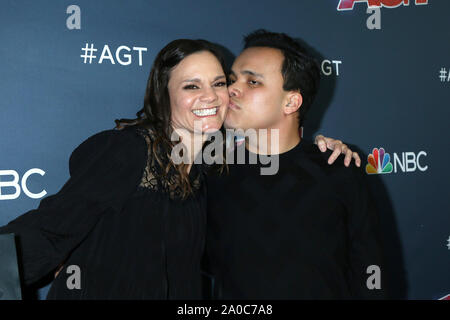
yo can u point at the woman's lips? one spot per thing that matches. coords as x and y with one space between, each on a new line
206 112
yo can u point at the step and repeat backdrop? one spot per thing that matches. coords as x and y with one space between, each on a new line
69 68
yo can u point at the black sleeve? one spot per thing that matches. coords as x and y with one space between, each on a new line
364 240
104 171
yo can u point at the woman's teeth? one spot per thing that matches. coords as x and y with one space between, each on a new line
205 112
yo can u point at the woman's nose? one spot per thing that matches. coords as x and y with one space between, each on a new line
209 95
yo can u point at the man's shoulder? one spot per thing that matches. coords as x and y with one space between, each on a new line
320 159
344 180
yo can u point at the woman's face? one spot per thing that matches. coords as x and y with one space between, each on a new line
198 93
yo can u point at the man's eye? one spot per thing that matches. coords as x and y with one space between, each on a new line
253 82
190 87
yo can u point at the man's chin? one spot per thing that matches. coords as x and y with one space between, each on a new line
229 125
234 128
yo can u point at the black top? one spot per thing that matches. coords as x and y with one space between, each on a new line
129 233
307 232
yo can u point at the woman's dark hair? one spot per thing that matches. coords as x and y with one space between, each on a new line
300 71
156 113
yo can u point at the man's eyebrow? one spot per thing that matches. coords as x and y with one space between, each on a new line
198 80
248 72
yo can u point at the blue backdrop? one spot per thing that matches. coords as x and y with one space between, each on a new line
385 84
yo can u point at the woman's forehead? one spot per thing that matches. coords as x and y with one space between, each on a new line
198 66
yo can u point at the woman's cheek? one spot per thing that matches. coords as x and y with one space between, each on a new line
225 98
186 102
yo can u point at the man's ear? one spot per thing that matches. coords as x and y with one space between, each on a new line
294 101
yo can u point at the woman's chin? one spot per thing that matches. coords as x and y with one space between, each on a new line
207 124
208 129
211 125
211 129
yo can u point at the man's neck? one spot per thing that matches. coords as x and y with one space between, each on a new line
274 140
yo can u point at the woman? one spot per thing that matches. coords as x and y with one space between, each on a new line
129 220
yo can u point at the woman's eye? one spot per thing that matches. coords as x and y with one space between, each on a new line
220 84
190 87
231 81
253 82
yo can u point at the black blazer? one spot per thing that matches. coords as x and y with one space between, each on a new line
9 274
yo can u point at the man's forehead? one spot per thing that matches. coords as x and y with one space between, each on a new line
258 60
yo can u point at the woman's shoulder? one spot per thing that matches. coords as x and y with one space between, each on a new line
125 145
125 139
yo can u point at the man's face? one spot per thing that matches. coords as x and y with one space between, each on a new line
256 90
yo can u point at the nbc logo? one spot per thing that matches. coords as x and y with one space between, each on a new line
379 162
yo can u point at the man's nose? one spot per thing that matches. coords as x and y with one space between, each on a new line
234 90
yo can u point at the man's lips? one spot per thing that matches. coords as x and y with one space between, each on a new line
233 106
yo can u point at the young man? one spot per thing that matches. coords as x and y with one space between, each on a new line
307 232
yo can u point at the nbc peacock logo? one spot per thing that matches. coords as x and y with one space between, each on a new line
379 162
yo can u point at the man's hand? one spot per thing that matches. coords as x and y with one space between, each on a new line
338 147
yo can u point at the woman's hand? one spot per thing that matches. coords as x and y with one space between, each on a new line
338 147
58 270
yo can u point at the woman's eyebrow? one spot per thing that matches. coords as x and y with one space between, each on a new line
219 77
192 80
198 80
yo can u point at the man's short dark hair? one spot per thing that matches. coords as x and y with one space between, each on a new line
299 70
